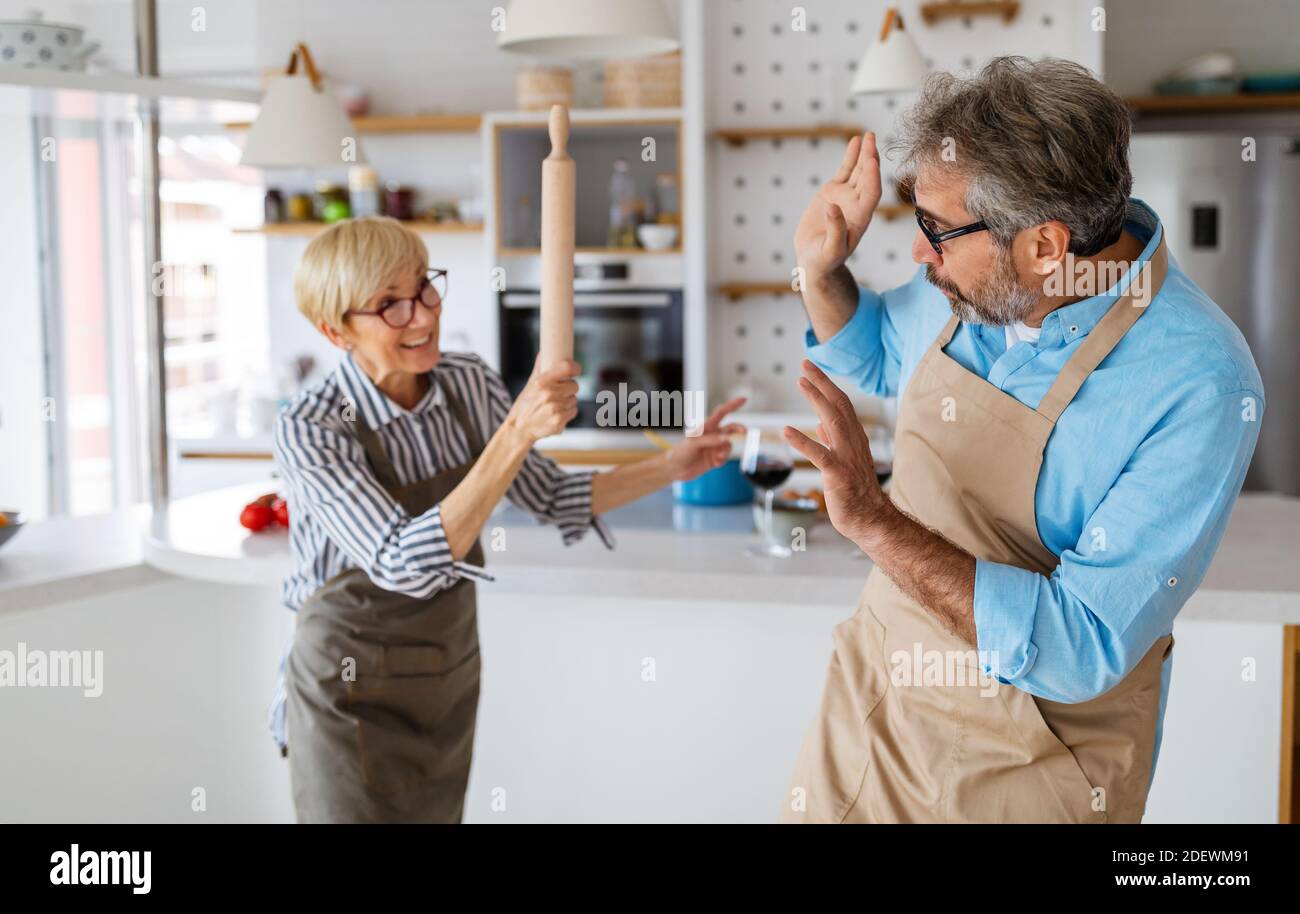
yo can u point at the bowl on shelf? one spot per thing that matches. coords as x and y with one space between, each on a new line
36 44
654 237
10 525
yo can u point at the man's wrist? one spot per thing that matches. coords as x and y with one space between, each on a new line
823 281
879 523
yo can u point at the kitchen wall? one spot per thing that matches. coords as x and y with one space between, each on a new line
766 74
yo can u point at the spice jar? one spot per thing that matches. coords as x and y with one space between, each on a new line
300 208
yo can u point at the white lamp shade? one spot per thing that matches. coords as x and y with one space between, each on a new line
892 65
588 29
299 126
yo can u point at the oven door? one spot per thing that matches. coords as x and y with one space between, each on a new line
625 341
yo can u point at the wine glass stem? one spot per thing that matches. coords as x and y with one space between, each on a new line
768 497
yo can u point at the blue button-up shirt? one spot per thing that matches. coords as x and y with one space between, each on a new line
1138 477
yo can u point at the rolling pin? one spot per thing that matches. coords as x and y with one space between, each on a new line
559 181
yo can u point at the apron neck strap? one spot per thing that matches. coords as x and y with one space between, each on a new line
1104 337
946 334
378 457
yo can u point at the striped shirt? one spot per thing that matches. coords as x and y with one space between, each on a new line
343 518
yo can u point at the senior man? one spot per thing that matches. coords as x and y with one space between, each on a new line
1075 422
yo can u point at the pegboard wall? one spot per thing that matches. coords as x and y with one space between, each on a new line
765 73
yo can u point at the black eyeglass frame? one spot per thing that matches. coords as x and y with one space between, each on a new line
432 275
938 238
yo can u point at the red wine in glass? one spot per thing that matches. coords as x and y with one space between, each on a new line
767 462
768 474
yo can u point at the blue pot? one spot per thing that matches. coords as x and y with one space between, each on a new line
724 485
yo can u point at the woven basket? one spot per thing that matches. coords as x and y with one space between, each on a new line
538 88
646 82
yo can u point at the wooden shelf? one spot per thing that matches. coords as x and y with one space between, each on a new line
734 291
1207 104
311 228
409 123
739 136
891 211
934 12
611 252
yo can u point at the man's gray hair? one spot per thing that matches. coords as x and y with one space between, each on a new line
1037 140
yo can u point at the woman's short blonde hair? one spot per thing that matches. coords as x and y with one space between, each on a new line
348 263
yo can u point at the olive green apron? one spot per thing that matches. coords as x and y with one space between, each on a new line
890 745
382 688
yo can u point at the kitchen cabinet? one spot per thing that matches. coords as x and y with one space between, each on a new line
634 685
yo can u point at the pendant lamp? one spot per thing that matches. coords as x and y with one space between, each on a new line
893 63
300 124
588 29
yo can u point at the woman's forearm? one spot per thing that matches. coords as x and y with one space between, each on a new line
466 508
627 483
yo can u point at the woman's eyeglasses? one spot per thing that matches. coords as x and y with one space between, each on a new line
937 238
399 312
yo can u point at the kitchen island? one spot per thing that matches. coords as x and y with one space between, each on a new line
671 679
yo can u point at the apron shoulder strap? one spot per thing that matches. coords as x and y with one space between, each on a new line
374 448
1104 337
946 334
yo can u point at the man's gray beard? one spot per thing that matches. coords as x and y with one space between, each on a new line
999 301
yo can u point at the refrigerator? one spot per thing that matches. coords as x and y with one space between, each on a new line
1231 209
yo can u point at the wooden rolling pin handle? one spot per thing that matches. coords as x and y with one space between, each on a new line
559 129
559 182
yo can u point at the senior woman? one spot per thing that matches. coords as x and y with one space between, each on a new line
393 464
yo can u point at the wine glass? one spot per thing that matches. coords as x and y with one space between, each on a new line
767 462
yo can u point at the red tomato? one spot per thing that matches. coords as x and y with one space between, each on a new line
280 508
256 517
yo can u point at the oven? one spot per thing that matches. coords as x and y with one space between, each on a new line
625 339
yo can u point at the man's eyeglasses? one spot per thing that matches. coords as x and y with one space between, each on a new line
937 238
399 312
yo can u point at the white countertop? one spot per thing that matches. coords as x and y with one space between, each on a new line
665 551
66 558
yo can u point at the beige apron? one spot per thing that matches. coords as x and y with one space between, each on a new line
393 743
890 744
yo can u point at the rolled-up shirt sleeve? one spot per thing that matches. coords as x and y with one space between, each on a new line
542 488
1075 634
868 349
1145 549
328 475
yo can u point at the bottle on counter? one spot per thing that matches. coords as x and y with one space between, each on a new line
527 230
622 200
399 202
300 208
273 207
363 190
667 207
